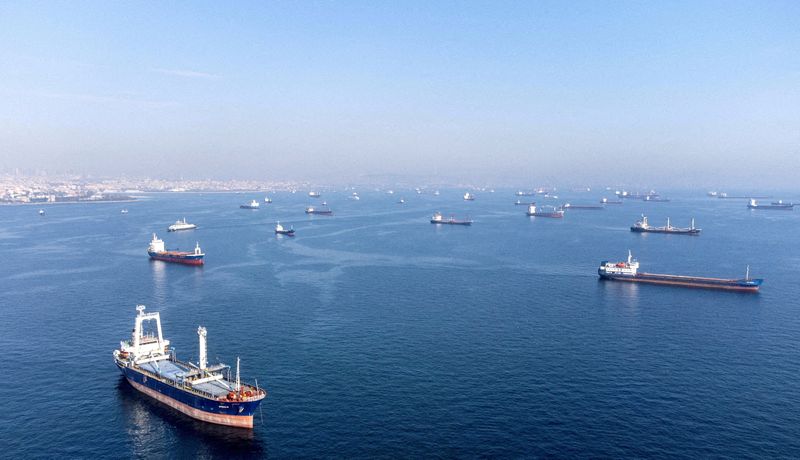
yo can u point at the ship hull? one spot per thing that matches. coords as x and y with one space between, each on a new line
687 281
771 207
554 215
320 213
188 259
445 222
694 231
235 414
287 233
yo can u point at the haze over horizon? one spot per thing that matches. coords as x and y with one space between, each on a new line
682 93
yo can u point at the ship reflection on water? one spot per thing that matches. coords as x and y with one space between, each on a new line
154 429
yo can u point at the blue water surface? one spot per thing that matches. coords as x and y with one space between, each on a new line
377 334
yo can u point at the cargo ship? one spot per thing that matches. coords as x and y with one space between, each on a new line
581 206
544 211
201 391
323 211
522 203
643 226
777 205
439 219
607 201
253 205
156 251
280 230
267 200
181 225
314 194
655 198
629 271
469 197
521 193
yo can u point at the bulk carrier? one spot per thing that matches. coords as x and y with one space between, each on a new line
629 271
439 219
544 211
201 391
157 251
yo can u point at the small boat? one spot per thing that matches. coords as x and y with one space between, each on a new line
545 211
469 197
581 206
712 193
41 212
436 193
280 230
401 201
643 226
354 197
323 212
253 205
313 194
438 219
629 271
124 211
181 225
267 200
777 205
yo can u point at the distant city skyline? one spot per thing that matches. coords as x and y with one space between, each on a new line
690 94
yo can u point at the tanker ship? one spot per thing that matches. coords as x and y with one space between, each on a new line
157 251
643 226
438 219
629 271
201 391
779 205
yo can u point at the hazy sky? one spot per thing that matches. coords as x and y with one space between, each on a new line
686 92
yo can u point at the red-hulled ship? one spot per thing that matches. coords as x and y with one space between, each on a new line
157 251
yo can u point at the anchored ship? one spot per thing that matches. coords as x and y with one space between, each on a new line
523 193
544 211
606 201
522 203
280 230
643 226
267 200
157 251
324 211
438 219
181 225
469 197
314 194
629 271
201 391
253 205
778 205
581 206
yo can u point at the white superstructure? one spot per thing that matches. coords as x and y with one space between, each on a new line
437 217
156 244
144 347
627 268
181 225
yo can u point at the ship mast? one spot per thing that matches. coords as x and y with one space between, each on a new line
201 334
238 382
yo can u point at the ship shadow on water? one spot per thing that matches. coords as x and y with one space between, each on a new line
148 420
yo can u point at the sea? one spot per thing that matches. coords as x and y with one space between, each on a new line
377 334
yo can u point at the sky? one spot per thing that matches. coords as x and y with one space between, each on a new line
597 92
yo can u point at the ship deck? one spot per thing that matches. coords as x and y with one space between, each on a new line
174 371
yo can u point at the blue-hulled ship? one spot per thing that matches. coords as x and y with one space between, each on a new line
201 391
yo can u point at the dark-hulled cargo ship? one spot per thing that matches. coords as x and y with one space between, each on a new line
629 271
157 251
439 219
643 226
201 391
544 211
